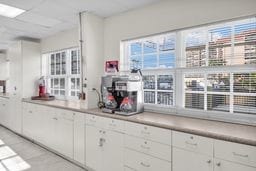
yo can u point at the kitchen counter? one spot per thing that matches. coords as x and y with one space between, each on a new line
213 129
4 95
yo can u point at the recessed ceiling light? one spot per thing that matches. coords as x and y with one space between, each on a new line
9 11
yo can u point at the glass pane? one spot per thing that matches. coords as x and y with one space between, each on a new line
195 56
164 82
135 62
218 102
62 83
52 64
56 83
73 83
78 83
58 64
245 82
150 61
73 93
51 83
74 62
245 104
220 50
167 43
52 59
195 48
194 82
149 47
52 69
56 92
136 48
62 92
149 82
165 98
194 100
167 60
245 42
63 59
218 82
149 97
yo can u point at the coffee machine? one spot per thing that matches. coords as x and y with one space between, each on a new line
122 94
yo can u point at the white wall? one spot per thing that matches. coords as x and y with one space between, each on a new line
4 68
93 55
62 40
169 15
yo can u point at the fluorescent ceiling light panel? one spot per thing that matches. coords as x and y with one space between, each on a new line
9 11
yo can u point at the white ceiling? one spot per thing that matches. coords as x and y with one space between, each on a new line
47 17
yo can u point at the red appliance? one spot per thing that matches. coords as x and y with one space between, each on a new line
42 89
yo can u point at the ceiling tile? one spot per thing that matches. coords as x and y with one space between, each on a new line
33 18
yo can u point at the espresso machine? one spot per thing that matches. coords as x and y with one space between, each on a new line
122 94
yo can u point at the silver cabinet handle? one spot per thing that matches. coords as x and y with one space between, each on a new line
218 164
144 147
101 142
209 161
145 165
240 155
112 124
189 143
145 132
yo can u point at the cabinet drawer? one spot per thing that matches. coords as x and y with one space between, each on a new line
193 143
155 149
65 114
148 132
93 120
239 153
221 165
113 124
141 162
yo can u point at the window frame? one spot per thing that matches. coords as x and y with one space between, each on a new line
46 60
180 69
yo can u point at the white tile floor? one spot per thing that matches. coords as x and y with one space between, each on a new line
19 154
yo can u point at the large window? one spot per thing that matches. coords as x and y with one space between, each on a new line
210 68
151 55
221 59
63 73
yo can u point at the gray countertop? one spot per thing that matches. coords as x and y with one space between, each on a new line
4 95
238 133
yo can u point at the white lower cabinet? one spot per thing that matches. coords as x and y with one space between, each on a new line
104 147
221 165
51 127
137 161
93 150
186 160
64 133
79 137
105 144
113 151
4 111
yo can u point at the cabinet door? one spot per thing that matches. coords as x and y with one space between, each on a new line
186 160
64 133
4 111
93 148
221 165
14 119
29 120
79 137
48 123
114 147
